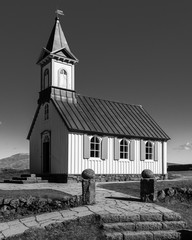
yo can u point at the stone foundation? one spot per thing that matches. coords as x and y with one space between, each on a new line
112 177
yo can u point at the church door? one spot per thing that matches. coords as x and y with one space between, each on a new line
46 152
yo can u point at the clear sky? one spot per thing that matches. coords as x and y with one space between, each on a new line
136 52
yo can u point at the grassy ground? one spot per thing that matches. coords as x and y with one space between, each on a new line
40 193
9 173
133 188
179 174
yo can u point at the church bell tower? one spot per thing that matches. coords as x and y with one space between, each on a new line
57 64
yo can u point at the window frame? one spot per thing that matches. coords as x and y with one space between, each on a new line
46 73
95 150
59 77
124 152
149 153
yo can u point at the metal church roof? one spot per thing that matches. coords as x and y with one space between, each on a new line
97 116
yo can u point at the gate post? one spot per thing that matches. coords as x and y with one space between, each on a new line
148 186
88 186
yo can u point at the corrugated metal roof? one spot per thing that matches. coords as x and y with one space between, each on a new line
99 116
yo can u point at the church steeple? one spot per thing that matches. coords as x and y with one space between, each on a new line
57 63
57 38
57 45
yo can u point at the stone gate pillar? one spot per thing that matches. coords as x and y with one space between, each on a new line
88 186
148 186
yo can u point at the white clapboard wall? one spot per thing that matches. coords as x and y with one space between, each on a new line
78 161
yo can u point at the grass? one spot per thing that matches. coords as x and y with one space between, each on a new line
9 173
40 193
179 174
133 188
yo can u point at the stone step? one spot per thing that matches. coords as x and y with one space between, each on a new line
142 217
28 175
33 178
26 178
144 226
143 235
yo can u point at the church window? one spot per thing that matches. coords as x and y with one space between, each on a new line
124 149
46 112
46 78
46 137
149 150
62 81
95 147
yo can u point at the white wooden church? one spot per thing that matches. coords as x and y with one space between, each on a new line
71 132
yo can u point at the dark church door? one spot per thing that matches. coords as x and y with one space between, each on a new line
46 146
46 157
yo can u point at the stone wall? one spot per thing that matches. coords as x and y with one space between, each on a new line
11 208
112 177
175 193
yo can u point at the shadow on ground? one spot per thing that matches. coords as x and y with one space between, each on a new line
126 199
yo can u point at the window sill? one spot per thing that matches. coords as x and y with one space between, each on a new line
95 158
124 159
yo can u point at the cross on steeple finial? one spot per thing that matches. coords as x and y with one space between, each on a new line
59 12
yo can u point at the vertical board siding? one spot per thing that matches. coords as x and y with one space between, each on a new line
109 166
164 162
59 142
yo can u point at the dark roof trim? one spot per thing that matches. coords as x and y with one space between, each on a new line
59 111
117 135
33 122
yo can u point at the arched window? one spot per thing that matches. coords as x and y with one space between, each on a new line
62 81
46 112
46 138
46 78
95 147
124 149
148 150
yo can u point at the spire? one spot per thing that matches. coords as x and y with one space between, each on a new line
57 45
57 38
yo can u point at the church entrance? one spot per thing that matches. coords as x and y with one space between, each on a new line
46 153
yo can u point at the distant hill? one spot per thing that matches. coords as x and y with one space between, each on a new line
18 161
179 167
169 164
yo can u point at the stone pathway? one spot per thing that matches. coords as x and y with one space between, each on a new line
107 201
